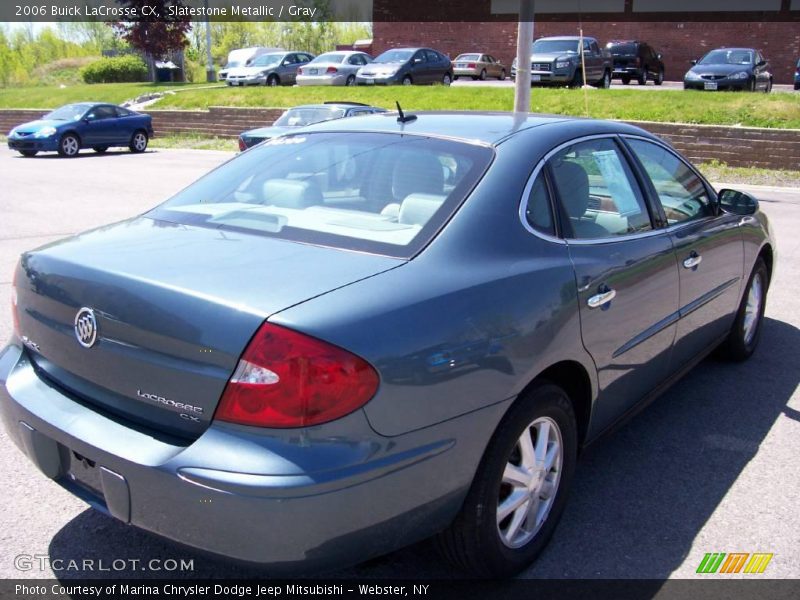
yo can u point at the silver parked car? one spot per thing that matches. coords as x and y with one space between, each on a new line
278 68
478 66
333 68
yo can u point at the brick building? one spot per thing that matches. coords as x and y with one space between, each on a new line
681 30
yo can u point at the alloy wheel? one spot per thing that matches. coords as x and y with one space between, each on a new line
140 142
70 145
530 482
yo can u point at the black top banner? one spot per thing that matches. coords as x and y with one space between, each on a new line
378 10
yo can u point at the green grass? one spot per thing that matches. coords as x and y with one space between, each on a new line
194 142
781 110
55 96
757 110
720 172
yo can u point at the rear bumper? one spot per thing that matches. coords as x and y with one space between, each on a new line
632 72
321 80
298 500
31 143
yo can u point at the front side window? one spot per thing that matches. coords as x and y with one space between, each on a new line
681 192
374 192
103 112
597 191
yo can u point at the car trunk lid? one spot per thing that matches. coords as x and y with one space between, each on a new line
174 307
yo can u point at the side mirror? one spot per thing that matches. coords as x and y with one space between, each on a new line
737 203
659 56
417 61
694 62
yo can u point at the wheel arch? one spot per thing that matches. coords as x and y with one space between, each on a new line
73 132
573 377
766 253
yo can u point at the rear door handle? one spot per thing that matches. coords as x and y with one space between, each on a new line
602 298
693 260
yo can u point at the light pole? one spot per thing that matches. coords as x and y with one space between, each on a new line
211 75
522 87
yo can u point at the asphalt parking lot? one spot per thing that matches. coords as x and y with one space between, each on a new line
712 466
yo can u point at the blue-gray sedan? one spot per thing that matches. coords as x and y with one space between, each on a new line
377 330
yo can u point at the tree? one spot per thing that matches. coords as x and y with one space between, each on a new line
154 37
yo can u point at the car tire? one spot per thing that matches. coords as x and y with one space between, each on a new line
660 77
272 81
69 145
503 75
29 153
746 329
605 82
626 80
100 149
482 76
407 80
351 81
577 79
138 143
483 542
751 85
642 79
447 79
455 77
768 89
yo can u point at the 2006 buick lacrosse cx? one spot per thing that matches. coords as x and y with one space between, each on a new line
376 330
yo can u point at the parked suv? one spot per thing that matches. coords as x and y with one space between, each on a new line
557 60
636 60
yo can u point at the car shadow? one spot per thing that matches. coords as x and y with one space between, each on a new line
84 153
639 498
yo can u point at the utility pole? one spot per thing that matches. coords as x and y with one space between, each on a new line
522 87
211 76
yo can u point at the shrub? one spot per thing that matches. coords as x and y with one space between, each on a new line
118 69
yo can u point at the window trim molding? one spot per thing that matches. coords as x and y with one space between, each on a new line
589 241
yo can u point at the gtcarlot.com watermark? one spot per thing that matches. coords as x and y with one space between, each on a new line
43 562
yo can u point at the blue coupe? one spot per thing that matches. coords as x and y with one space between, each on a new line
83 125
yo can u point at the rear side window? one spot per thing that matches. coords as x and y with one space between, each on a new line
375 192
681 192
538 209
597 191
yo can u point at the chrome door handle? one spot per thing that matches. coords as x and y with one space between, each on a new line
602 298
693 260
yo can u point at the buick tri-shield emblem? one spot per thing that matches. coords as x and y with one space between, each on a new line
86 327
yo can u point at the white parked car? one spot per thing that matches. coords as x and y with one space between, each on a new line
333 68
242 57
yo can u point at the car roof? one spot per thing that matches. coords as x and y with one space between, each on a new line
486 128
733 48
334 105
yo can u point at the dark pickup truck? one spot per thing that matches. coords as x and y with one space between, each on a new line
557 61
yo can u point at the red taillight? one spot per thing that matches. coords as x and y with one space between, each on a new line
288 379
242 145
471 65
331 70
14 309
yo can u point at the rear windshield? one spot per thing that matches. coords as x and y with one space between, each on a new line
300 117
381 193
622 48
468 57
330 57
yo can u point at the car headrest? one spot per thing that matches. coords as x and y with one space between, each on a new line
417 173
572 182
291 193
417 209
